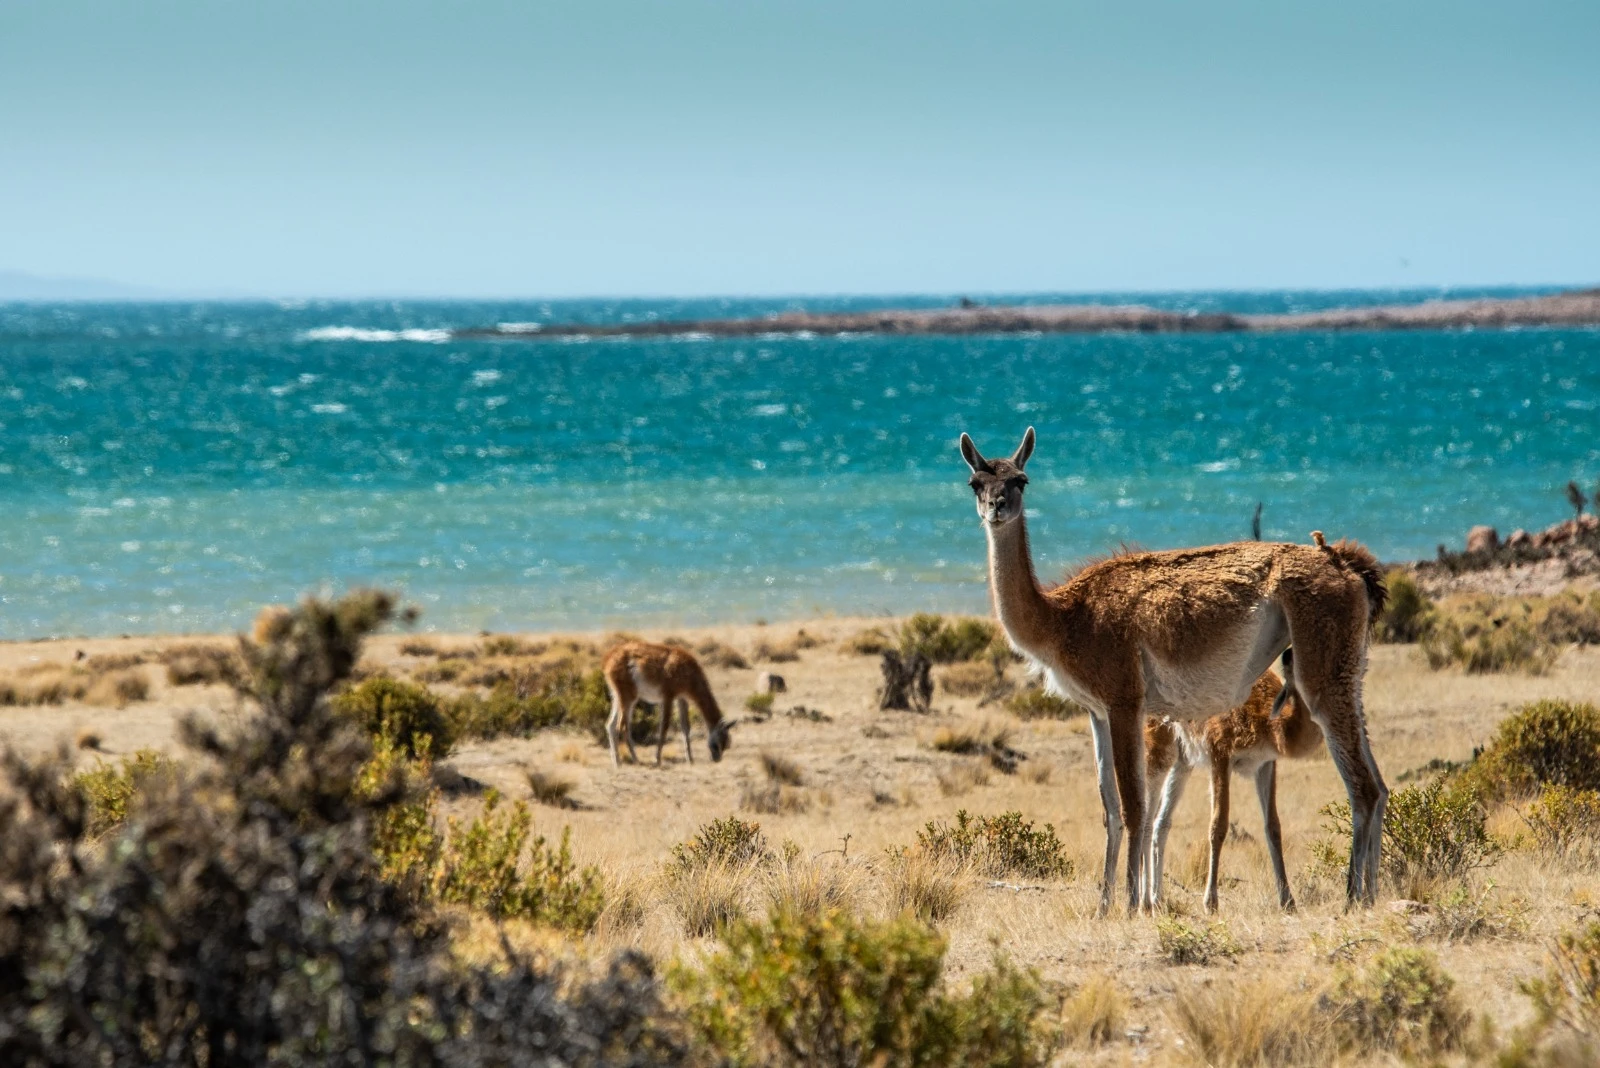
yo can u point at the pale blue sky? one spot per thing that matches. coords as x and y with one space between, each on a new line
356 147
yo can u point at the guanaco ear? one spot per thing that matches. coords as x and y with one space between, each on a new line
1025 450
970 453
729 725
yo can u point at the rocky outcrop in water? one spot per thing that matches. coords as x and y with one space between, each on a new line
1578 308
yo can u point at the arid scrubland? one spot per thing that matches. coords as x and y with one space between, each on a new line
850 881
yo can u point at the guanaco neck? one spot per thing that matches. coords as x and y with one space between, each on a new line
1028 618
700 693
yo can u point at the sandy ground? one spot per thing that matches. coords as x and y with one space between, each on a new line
871 780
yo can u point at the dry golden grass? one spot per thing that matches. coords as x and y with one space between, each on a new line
971 679
962 777
784 650
930 888
812 886
1095 1014
887 783
781 769
709 896
118 689
1251 1024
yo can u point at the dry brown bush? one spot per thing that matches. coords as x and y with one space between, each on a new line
781 770
196 664
118 689
969 679
550 789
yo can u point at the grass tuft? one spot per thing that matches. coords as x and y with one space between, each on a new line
551 790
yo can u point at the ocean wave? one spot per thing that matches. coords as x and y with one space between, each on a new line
359 333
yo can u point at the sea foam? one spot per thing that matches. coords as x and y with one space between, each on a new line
359 333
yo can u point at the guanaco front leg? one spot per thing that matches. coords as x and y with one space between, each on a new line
1219 826
683 710
1127 753
1109 804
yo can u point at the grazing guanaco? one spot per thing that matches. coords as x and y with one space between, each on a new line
1184 634
660 674
1271 725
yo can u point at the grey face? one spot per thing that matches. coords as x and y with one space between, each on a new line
997 484
719 740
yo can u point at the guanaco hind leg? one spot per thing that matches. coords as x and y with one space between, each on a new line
1171 793
1267 794
1220 773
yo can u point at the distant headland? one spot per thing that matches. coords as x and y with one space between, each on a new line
1575 308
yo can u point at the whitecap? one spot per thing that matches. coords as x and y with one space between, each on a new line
330 409
484 378
519 328
1218 466
357 333
770 409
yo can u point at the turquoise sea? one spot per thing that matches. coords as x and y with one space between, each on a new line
171 467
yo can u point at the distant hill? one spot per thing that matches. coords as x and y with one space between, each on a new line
18 285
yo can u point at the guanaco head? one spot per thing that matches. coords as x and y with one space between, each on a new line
998 483
719 739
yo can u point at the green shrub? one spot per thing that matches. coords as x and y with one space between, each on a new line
998 846
1569 991
946 643
831 990
727 841
1184 943
110 789
480 864
409 714
1565 821
1401 1001
1544 743
760 703
539 699
1407 613
1033 703
1431 831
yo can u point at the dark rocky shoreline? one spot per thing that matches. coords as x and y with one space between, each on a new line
1576 308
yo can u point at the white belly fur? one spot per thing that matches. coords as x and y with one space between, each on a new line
647 691
1202 689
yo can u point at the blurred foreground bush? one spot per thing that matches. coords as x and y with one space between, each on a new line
241 914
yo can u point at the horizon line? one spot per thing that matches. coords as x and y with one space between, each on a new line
159 297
